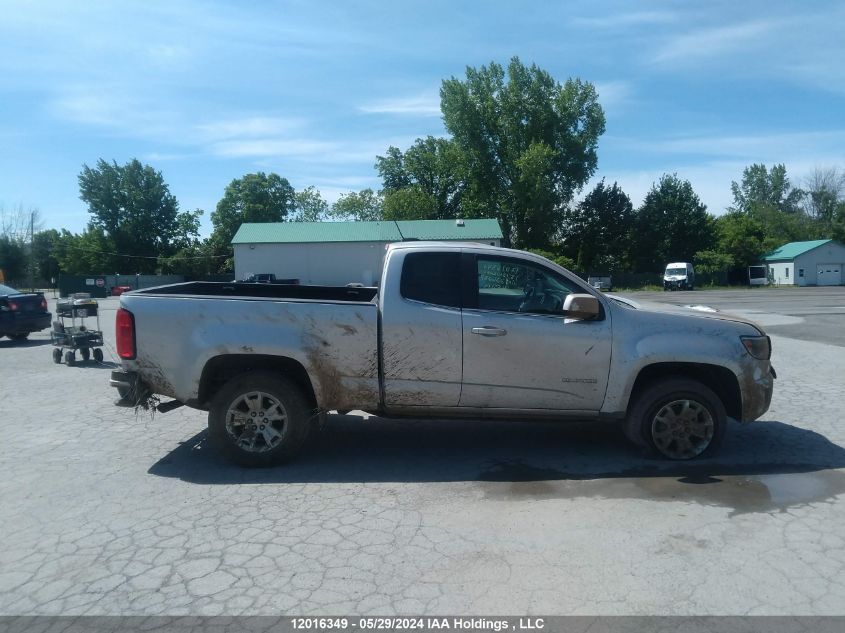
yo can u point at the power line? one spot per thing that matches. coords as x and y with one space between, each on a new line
99 252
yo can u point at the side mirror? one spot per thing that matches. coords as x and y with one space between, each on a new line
581 306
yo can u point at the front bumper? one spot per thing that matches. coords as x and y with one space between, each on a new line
757 395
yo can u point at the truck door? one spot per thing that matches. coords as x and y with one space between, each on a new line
520 352
421 350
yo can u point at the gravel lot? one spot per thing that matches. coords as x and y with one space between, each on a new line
105 511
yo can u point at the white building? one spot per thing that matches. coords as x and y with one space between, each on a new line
338 253
813 263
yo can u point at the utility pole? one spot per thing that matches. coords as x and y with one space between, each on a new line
31 249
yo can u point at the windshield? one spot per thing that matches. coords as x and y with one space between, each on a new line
676 271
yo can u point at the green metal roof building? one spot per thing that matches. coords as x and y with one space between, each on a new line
810 263
337 253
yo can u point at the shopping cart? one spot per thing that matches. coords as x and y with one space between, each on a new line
70 333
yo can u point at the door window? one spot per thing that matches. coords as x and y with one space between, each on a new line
512 285
432 278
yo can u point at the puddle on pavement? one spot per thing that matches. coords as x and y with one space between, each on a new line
741 493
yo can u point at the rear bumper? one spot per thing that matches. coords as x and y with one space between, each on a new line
24 322
131 388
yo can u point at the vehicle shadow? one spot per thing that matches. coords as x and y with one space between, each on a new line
30 342
351 449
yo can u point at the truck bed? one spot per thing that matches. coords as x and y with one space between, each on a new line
216 290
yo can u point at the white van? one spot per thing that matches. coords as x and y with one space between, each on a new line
679 276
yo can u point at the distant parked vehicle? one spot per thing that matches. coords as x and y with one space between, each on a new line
22 313
116 291
267 278
679 276
601 281
758 276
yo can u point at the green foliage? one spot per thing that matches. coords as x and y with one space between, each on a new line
525 143
310 205
46 263
560 260
597 231
93 252
709 262
12 259
364 205
132 207
742 237
255 197
410 203
433 169
763 187
672 225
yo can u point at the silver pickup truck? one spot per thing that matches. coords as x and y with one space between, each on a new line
453 330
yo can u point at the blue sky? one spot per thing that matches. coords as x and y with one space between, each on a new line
209 91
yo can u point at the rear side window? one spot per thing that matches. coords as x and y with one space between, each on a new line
432 278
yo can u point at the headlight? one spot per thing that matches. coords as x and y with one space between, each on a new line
758 346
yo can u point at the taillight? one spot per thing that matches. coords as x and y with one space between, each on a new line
13 306
124 327
43 304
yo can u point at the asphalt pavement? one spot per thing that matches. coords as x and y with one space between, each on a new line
111 511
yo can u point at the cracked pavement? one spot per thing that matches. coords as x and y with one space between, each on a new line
105 511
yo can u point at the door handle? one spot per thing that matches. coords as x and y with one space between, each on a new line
489 331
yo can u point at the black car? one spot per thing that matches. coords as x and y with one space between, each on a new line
22 313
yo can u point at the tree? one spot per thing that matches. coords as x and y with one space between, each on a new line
364 205
12 259
255 197
741 237
310 205
132 206
94 252
709 262
432 167
672 225
761 187
527 144
597 230
45 261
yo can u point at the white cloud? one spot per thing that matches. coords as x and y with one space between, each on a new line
426 104
248 127
624 20
714 42
615 95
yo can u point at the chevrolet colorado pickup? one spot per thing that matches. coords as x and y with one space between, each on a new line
453 330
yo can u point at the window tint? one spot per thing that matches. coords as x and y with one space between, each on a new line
511 285
432 278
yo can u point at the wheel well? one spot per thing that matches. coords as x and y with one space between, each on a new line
220 369
720 380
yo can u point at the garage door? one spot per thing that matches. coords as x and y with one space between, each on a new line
829 275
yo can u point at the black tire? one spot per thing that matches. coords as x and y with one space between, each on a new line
19 337
86 354
70 358
57 355
292 431
660 421
98 355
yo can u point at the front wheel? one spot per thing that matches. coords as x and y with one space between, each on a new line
98 355
677 419
259 419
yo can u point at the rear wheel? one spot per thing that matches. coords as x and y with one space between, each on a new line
98 355
70 359
677 419
57 355
259 419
